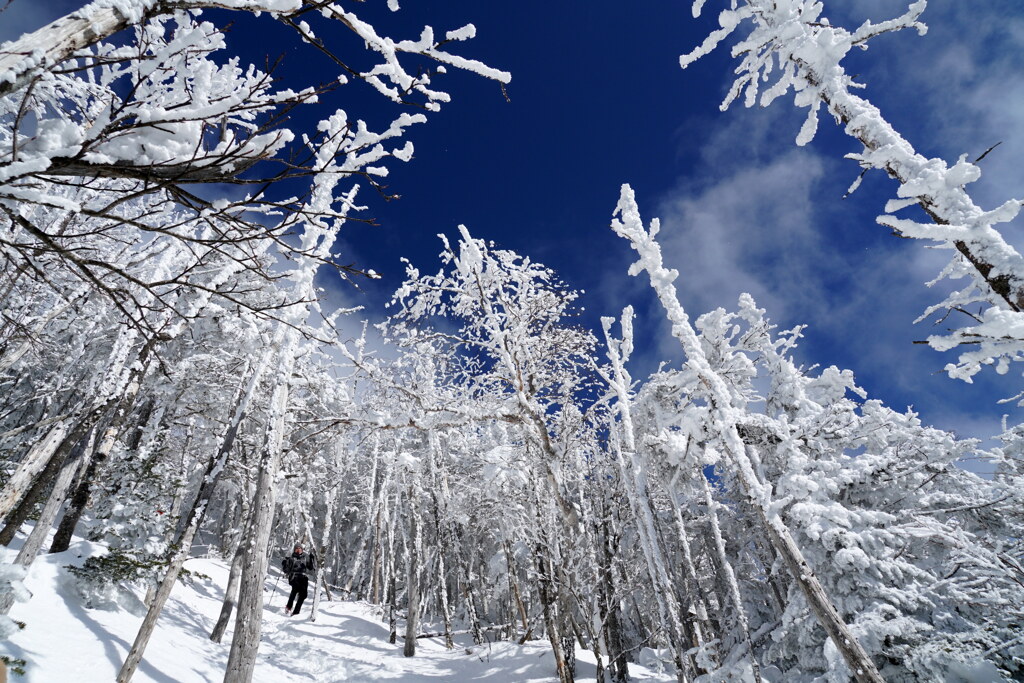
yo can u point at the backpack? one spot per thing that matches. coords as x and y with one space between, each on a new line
295 565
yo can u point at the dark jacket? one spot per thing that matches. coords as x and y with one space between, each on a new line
298 563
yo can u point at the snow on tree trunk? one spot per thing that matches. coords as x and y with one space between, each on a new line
27 555
157 603
701 626
32 466
30 502
469 595
375 566
548 600
113 428
618 664
368 512
732 586
391 576
439 496
76 506
446 610
320 575
392 598
315 603
513 583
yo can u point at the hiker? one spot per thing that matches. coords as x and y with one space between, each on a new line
295 568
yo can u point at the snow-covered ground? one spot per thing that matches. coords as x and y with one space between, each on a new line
63 641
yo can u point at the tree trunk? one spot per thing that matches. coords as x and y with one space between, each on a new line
246 641
569 652
467 593
248 622
324 584
321 561
691 583
412 593
243 521
439 496
156 606
42 484
618 666
375 566
392 593
365 547
551 621
391 577
316 593
513 585
29 551
357 567
634 470
73 513
730 576
33 465
230 596
80 499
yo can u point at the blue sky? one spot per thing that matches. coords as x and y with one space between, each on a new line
598 99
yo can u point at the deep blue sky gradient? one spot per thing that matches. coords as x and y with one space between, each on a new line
598 99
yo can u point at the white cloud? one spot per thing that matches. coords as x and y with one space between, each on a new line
753 231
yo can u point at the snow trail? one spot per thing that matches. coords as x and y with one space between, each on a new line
64 640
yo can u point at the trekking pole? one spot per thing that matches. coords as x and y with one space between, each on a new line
276 584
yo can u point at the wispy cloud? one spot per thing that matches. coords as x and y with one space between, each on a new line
24 16
752 231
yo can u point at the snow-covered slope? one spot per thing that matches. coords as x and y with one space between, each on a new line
64 641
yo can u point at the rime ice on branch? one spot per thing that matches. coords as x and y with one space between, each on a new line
790 45
93 128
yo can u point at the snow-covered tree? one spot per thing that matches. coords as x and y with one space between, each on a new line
868 519
127 146
529 368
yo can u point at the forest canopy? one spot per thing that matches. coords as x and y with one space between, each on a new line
177 371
